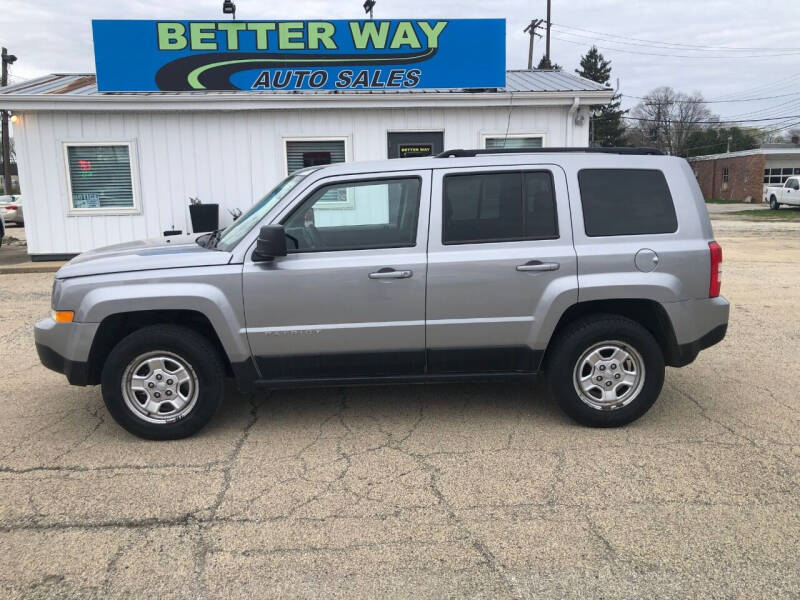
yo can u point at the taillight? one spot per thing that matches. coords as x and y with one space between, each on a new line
11 207
716 272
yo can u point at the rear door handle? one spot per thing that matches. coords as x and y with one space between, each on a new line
389 273
537 265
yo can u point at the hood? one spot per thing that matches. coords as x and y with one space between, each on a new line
158 253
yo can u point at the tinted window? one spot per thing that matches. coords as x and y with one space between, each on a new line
356 216
497 207
626 202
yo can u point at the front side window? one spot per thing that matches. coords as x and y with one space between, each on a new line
100 178
379 214
233 234
499 207
626 202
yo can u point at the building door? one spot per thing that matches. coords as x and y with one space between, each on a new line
408 144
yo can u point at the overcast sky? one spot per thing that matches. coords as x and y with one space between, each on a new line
726 49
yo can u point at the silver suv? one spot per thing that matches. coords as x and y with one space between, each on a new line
597 266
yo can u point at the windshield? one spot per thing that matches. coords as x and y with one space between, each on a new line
233 234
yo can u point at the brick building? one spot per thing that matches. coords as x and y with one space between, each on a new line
741 176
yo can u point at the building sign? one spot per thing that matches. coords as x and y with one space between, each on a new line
411 150
85 200
298 55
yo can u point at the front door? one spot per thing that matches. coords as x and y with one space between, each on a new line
349 299
501 264
408 144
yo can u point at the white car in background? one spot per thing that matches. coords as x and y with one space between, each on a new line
11 209
788 193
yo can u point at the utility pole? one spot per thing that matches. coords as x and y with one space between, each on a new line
531 31
6 59
547 44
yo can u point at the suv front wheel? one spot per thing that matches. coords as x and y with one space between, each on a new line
605 370
163 382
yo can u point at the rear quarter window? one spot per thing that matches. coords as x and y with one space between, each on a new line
626 202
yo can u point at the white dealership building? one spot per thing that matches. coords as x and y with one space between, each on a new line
101 168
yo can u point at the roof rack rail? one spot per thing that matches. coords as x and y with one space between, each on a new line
459 153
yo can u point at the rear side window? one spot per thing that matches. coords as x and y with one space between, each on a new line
626 202
499 207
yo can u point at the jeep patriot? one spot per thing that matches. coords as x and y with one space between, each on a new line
595 266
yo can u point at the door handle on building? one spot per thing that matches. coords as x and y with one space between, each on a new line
388 273
537 265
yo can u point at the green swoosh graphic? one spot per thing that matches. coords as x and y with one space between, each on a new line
194 76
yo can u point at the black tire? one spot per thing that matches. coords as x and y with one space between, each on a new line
205 365
584 334
773 203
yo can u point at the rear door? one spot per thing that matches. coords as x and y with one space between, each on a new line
500 264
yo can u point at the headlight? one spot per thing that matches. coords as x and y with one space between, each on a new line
56 294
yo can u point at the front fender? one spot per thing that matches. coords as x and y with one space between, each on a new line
219 302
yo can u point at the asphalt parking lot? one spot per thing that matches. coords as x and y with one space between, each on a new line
425 492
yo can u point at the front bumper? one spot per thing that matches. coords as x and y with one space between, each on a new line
77 372
64 348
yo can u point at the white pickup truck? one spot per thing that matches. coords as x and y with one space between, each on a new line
788 193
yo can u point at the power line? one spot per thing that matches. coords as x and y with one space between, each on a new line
717 101
718 122
695 56
762 88
708 121
657 43
791 104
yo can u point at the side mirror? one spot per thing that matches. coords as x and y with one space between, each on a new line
271 243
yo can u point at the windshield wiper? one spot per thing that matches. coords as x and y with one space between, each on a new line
210 240
213 239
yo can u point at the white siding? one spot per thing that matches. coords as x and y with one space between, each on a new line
228 157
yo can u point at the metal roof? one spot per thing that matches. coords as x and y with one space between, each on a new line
85 84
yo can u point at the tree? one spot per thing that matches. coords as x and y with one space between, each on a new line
546 64
594 66
667 118
782 136
607 127
716 140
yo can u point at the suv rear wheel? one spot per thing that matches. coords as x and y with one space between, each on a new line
605 370
773 203
163 382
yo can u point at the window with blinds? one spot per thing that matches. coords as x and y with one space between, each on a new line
100 176
513 142
310 153
301 154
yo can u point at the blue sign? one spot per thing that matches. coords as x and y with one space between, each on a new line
146 56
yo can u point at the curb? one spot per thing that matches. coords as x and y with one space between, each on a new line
29 268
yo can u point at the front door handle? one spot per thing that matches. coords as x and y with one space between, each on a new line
537 265
389 273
